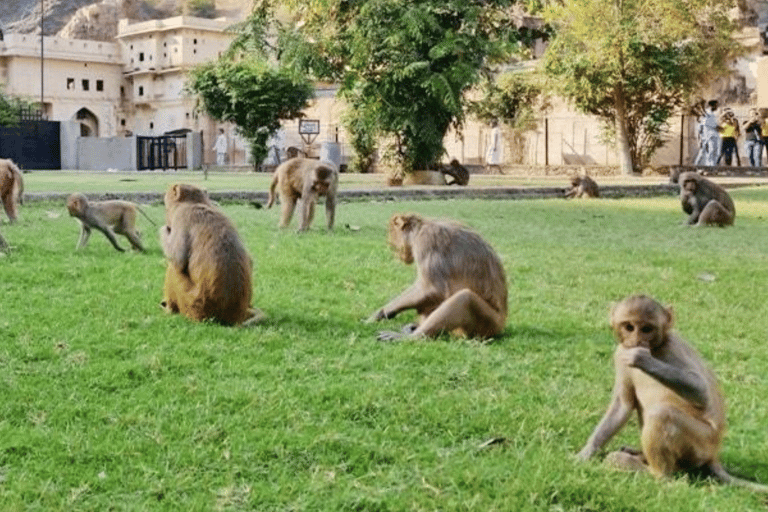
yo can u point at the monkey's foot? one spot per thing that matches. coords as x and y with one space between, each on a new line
625 461
389 336
257 316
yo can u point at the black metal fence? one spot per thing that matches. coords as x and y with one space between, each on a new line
32 144
163 152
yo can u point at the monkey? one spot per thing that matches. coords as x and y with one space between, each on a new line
581 186
680 407
674 175
11 188
109 217
304 179
424 178
458 172
705 202
208 276
460 288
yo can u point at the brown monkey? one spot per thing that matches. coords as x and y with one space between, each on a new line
705 202
109 217
209 269
582 186
458 172
460 286
679 404
424 178
11 188
304 179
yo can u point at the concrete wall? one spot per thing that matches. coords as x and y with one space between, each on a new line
101 154
762 82
68 135
194 150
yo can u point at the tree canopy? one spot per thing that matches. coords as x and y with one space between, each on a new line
403 67
251 93
633 63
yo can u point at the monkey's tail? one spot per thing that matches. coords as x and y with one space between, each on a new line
723 476
18 184
147 216
272 188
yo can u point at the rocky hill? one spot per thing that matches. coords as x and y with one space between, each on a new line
92 19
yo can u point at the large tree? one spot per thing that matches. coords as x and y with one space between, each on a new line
633 63
251 93
404 67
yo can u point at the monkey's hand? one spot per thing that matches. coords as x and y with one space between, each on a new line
376 317
388 336
585 453
635 357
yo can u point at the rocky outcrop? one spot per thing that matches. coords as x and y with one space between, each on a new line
81 18
98 22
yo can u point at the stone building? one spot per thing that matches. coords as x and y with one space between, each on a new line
134 86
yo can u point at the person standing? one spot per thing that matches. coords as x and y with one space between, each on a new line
764 128
729 132
709 138
753 145
494 149
221 147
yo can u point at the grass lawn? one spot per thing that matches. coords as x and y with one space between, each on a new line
110 404
150 181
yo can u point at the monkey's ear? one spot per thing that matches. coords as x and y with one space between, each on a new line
176 192
669 312
399 221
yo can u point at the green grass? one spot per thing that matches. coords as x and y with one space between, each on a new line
110 404
145 181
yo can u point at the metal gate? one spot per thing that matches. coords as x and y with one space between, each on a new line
32 144
163 152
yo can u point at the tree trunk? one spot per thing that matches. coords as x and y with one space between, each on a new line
625 154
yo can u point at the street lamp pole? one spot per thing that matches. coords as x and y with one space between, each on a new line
42 56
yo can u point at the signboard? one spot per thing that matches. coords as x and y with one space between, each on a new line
309 126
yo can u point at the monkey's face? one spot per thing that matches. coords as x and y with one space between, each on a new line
689 186
575 181
640 322
75 206
638 332
398 241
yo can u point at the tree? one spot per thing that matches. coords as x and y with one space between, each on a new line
404 67
11 107
251 93
633 63
513 98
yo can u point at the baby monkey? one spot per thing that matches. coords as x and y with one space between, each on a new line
109 217
676 395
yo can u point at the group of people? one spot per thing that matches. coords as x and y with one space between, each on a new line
718 137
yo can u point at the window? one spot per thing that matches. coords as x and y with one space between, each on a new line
122 122
141 57
99 85
86 84
70 84
151 126
141 90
